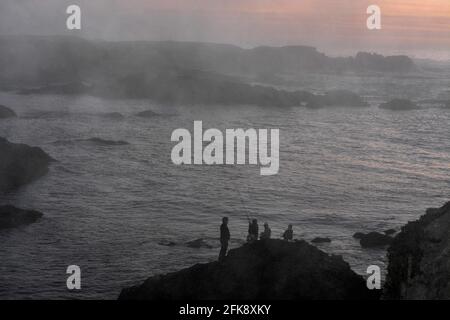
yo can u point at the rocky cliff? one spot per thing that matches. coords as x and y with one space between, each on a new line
270 269
419 258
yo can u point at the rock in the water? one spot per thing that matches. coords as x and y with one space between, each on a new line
358 235
199 243
6 113
340 98
148 114
21 164
320 240
267 270
104 142
11 217
419 260
113 115
374 239
399 105
167 243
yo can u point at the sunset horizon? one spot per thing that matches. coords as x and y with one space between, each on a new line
421 30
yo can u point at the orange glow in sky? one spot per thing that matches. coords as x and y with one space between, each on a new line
334 26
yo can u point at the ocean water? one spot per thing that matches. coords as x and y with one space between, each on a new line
108 208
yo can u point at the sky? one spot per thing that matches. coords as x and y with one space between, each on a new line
420 28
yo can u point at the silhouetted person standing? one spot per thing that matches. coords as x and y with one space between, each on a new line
266 233
253 230
224 238
288 235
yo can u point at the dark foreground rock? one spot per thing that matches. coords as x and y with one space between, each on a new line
6 113
20 164
419 260
271 269
374 239
11 217
399 105
390 232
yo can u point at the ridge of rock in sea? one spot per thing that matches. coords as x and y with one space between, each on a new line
6 112
399 105
11 217
266 269
104 142
419 260
148 114
21 164
336 98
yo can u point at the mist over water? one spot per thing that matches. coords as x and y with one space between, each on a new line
107 207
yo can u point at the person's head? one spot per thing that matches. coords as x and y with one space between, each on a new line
255 221
290 227
266 225
225 220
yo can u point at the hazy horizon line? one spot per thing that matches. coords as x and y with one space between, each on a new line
348 53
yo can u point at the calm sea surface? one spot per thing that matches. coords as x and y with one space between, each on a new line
108 208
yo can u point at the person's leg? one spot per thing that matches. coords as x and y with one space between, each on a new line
223 250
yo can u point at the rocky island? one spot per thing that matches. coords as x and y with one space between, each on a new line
6 112
21 164
399 105
12 217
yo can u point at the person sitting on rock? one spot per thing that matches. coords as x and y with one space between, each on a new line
224 238
266 233
288 235
252 231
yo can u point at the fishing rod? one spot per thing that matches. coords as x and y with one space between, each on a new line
243 203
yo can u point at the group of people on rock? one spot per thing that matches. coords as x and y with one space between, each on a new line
253 234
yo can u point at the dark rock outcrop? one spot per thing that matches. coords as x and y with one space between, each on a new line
113 115
104 142
193 87
11 217
358 235
147 114
321 240
399 105
6 112
419 258
167 243
70 88
198 243
21 164
374 239
269 269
